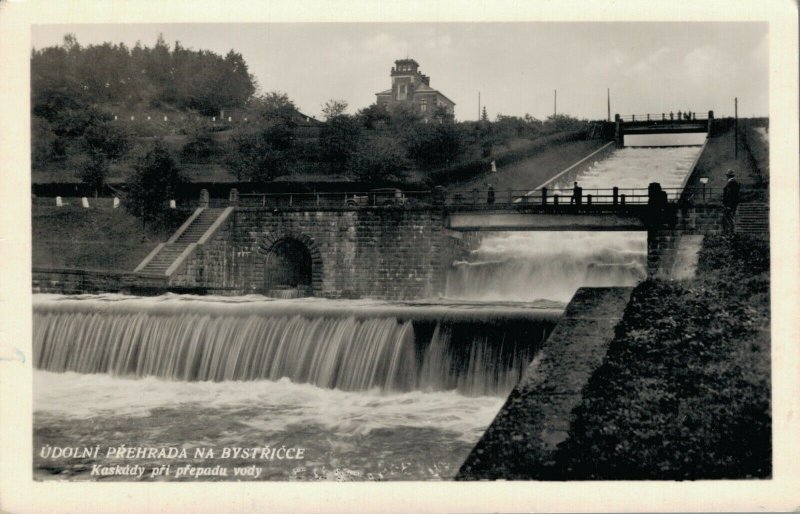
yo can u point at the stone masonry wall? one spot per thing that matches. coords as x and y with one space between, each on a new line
207 266
663 240
384 253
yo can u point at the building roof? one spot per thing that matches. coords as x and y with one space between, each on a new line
421 89
424 88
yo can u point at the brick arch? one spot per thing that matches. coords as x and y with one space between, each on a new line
273 239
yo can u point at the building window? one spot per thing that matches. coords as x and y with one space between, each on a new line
401 92
423 105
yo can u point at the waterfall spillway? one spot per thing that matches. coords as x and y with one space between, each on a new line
527 266
354 349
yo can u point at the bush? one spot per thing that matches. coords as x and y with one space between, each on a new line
155 181
380 161
434 144
200 148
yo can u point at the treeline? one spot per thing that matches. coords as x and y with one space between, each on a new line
77 90
373 145
71 76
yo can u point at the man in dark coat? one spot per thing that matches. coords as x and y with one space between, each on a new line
577 194
730 201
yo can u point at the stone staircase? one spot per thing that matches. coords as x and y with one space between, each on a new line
165 255
752 219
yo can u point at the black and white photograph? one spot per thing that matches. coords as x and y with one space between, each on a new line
521 252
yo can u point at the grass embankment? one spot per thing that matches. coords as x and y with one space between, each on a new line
684 391
532 171
95 238
721 154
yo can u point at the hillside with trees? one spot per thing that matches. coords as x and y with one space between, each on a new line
99 110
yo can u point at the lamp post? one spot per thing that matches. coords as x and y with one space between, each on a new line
704 181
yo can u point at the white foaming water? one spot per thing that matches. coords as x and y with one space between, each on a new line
277 405
322 343
696 138
526 266
352 383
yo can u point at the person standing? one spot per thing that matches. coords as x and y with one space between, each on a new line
577 194
490 196
730 201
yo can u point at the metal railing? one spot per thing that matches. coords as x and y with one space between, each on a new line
665 116
474 199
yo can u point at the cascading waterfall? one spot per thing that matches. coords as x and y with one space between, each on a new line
529 266
366 388
332 348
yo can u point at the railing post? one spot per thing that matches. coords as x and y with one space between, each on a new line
203 198
317 199
233 197
589 199
474 197
615 195
544 196
555 199
510 196
622 199
263 200
648 117
290 199
663 116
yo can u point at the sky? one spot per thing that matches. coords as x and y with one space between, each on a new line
516 67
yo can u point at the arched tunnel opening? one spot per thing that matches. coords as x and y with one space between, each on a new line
289 267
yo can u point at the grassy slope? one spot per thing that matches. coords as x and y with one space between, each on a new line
97 238
531 172
684 391
718 157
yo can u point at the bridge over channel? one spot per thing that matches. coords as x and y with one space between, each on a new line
397 245
660 123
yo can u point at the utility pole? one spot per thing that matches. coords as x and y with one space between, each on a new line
555 102
608 95
736 127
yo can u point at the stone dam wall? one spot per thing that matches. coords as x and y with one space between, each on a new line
388 253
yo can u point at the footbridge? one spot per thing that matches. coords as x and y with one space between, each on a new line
661 123
392 244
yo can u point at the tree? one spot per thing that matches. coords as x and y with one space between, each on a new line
93 171
484 114
433 144
101 136
254 156
380 161
334 108
373 116
443 115
265 148
155 181
564 122
339 136
42 142
200 147
402 116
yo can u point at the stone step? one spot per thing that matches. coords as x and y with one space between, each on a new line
170 252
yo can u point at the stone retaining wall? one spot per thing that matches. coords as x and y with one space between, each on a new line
521 442
385 253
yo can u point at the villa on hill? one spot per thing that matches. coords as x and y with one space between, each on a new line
411 87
